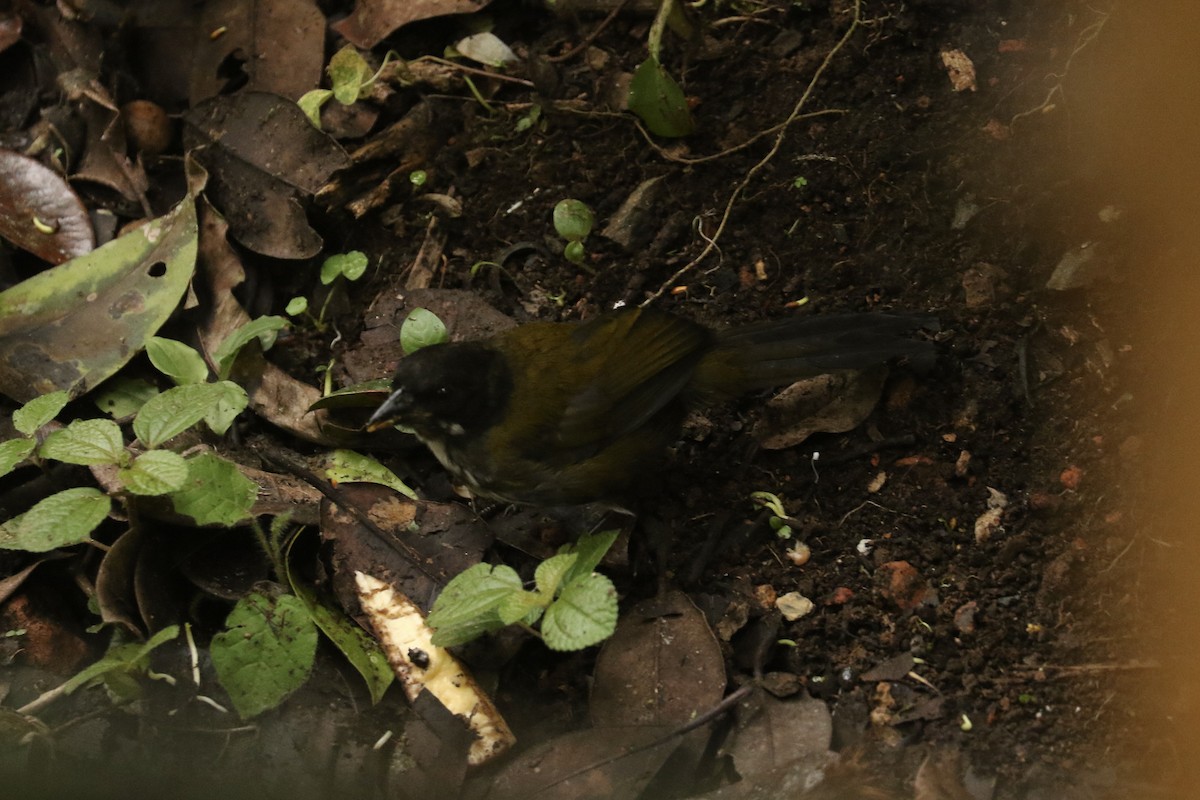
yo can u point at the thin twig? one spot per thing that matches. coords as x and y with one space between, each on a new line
754 170
591 37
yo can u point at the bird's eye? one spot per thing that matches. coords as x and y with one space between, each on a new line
442 391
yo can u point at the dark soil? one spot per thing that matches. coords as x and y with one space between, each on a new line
891 191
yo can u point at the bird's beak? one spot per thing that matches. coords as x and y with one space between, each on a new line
397 404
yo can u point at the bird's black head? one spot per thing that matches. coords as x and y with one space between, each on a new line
447 390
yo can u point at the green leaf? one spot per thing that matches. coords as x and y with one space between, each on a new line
573 220
520 605
176 360
169 414
657 99
215 492
265 653
583 615
261 328
421 328
310 103
350 265
549 573
38 411
123 397
297 305
574 252
86 442
363 652
72 326
60 520
123 656
154 473
13 452
229 400
347 466
348 72
590 550
467 606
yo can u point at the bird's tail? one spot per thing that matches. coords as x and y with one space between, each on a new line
779 352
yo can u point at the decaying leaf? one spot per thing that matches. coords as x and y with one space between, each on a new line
824 404
422 666
253 33
372 20
262 155
74 325
661 667
40 212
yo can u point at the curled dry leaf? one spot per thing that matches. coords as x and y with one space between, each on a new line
40 212
824 404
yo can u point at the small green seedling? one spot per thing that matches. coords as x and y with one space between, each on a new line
573 221
349 266
350 78
779 520
573 606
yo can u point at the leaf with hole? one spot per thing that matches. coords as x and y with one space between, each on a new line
72 326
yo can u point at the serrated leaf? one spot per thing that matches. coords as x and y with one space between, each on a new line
583 615
265 653
519 606
347 466
60 520
215 492
549 573
154 473
421 328
657 99
261 328
13 452
123 397
171 413
590 549
38 411
471 595
363 652
72 326
86 442
176 360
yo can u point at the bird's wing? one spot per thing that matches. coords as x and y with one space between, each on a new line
634 363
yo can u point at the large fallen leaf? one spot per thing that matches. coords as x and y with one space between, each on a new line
663 666
262 154
373 20
74 325
40 212
252 35
592 764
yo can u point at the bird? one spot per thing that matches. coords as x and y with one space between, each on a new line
573 413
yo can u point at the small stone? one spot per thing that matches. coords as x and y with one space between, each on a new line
794 605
